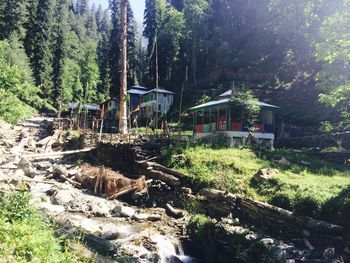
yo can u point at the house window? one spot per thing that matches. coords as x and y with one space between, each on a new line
268 118
159 107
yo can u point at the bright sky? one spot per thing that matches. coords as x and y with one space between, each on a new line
138 6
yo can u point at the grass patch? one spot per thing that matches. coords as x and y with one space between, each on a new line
315 188
25 236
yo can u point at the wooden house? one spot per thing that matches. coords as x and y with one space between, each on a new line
220 116
149 101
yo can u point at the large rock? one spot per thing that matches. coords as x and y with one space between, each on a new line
110 231
124 211
90 226
99 209
63 197
44 166
50 208
27 167
265 174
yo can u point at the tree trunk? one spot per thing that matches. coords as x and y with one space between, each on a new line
123 121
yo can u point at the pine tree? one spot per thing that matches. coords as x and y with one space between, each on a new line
59 53
11 17
82 7
38 38
153 18
114 42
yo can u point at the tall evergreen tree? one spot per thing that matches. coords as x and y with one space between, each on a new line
59 52
12 14
153 17
40 39
115 50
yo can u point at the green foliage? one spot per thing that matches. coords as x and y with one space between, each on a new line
24 235
237 247
19 98
306 190
333 51
245 104
12 109
326 127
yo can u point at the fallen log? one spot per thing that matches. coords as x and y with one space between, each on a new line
219 195
171 211
159 167
259 210
166 178
54 138
55 154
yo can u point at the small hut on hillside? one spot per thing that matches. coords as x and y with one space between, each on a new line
220 116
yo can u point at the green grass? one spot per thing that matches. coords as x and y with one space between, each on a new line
319 189
25 236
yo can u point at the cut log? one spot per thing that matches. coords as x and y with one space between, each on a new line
219 195
262 211
43 141
54 138
159 167
166 178
55 154
171 211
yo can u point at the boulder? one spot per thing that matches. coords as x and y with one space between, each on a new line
99 209
265 174
63 197
90 226
44 166
283 161
50 208
27 167
109 231
124 211
267 241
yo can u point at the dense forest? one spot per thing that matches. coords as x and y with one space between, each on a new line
292 53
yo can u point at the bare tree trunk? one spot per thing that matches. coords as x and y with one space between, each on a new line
123 121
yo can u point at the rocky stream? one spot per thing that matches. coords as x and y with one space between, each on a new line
134 228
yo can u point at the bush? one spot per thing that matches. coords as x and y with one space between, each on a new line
326 127
13 109
25 236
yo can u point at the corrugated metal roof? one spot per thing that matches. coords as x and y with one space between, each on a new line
227 100
160 90
138 87
74 105
137 92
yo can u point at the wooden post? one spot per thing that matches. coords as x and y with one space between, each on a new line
101 128
123 121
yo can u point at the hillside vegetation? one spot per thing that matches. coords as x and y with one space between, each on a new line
26 237
315 188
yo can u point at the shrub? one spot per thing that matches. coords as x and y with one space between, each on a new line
25 236
13 109
326 127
